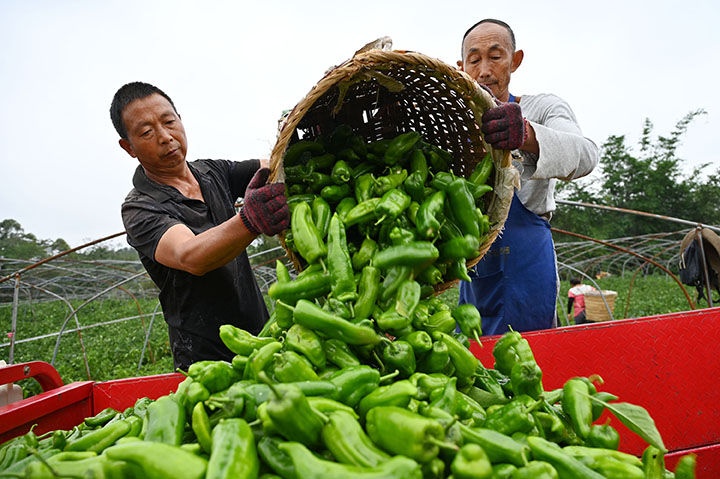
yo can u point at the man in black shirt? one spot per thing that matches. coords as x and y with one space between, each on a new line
181 219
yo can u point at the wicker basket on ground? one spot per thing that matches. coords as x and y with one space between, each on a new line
595 308
381 94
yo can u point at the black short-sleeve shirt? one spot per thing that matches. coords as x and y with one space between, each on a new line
195 306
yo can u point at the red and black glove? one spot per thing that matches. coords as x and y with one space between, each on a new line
504 126
265 208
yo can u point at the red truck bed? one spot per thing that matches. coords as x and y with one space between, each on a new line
666 364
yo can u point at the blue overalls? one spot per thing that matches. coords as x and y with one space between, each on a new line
515 282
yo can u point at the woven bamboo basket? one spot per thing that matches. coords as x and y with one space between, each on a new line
381 94
595 309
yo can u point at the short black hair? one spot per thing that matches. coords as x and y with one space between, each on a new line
574 281
127 94
489 20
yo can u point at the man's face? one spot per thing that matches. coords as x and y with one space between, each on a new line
156 136
488 57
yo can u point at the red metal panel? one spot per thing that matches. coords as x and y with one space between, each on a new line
708 461
60 408
41 371
122 393
666 364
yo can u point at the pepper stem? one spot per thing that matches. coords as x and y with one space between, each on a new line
477 337
442 444
265 379
322 263
319 414
389 376
377 358
285 305
256 422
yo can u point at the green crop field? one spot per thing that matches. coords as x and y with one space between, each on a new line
113 350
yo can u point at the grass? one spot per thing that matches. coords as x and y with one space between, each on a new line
113 351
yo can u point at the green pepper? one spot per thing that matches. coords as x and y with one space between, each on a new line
604 436
165 422
339 263
317 181
291 413
321 213
445 398
101 418
503 471
341 172
308 465
306 235
397 394
294 152
155 459
536 470
334 193
460 247
362 212
499 447
596 453
314 317
439 159
100 439
436 359
482 170
566 465
365 254
214 375
389 182
685 468
400 355
321 162
305 341
551 425
391 205
295 188
392 321
399 236
240 341
353 383
407 298
463 207
510 418
434 469
470 410
337 307
233 454
394 277
430 275
477 192
369 288
344 207
471 462
611 468
261 359
577 405
349 155
509 350
468 318
346 440
283 316
289 366
73 464
364 187
415 186
464 361
306 286
428 215
278 460
201 427
399 431
361 169
597 407
526 378
420 341
414 254
401 146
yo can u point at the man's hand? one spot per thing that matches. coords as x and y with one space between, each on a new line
265 207
504 126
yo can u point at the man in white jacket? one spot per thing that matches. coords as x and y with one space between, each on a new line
516 283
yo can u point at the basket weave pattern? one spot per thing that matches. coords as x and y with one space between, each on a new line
381 94
595 309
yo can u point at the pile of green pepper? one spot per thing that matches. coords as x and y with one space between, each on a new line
361 372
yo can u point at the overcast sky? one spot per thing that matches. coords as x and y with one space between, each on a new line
231 67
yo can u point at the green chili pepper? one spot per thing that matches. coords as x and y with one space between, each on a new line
407 298
283 316
289 366
369 289
306 286
460 247
551 426
240 341
339 263
445 398
510 418
499 447
434 469
596 453
526 378
401 146
536 470
365 254
327 406
295 151
317 181
577 405
314 317
100 439
399 431
482 170
348 443
685 468
353 383
471 462
165 422
598 408
392 321
416 253
295 188
337 307
391 205
420 341
604 436
305 341
463 207
509 350
277 459
261 360
321 162
428 215
233 454
468 318
101 418
400 355
436 359
307 465
201 427
442 180
389 182
214 375
394 277
503 471
430 275
364 187
362 213
566 465
155 459
415 186
306 236
341 172
321 213
397 394
334 193
344 207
